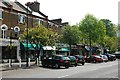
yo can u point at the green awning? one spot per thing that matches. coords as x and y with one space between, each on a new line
64 49
30 46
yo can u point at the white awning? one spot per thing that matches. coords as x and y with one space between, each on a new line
49 48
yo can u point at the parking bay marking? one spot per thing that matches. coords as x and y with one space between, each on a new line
63 76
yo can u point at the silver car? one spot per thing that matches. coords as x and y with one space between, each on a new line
104 58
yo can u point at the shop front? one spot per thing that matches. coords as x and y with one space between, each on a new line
10 49
31 50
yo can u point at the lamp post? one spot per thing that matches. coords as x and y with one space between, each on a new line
10 47
10 24
27 54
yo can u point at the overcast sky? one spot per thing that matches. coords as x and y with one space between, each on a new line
73 11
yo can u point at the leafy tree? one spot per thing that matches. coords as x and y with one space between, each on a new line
70 35
118 43
118 38
88 27
111 42
101 33
39 35
110 27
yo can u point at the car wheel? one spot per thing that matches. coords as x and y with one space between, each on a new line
83 63
66 66
57 66
75 64
94 61
43 64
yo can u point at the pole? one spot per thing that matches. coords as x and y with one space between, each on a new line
27 56
19 62
10 16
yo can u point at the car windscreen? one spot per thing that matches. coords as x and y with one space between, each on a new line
72 58
80 57
65 58
97 56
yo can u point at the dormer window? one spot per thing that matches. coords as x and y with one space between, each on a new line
21 18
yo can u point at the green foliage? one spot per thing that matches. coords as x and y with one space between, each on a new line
88 27
70 34
101 32
98 32
111 43
40 35
110 27
118 43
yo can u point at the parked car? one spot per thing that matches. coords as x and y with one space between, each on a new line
104 58
56 61
117 54
111 57
80 59
94 58
73 60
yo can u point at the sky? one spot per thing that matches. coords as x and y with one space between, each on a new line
73 11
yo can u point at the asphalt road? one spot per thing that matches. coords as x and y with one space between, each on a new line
89 70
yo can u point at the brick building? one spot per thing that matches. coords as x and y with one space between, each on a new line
15 15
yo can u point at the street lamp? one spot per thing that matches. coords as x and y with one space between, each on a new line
27 54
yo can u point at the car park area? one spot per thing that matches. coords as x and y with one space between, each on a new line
89 70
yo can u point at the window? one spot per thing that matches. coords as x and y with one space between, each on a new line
21 18
1 14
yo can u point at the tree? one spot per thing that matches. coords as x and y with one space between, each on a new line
111 36
88 27
118 37
39 35
101 33
70 35
110 27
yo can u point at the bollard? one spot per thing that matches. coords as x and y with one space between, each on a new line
20 63
37 61
9 63
29 62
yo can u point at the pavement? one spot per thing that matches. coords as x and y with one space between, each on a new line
15 66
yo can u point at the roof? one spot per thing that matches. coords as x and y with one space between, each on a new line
1 4
8 3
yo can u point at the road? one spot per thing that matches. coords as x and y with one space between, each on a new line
89 70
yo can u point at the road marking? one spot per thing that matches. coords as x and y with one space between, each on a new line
63 76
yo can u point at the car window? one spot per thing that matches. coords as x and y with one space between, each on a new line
57 58
72 57
65 58
97 56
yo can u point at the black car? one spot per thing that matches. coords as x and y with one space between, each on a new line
80 59
73 60
56 61
117 54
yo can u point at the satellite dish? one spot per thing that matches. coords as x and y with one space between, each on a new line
4 27
16 29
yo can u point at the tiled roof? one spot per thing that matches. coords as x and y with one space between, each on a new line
1 4
15 6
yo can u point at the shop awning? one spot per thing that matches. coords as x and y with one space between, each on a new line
64 49
30 46
49 48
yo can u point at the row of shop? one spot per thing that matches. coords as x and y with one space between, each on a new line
22 50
